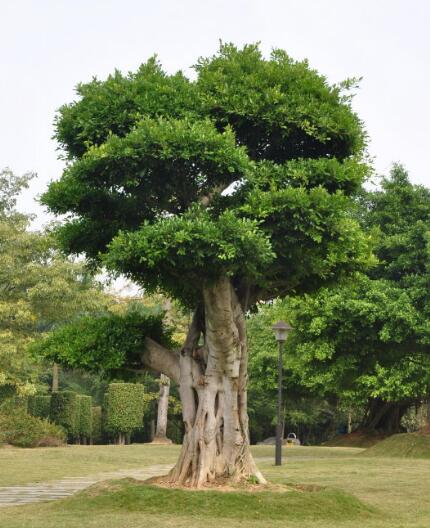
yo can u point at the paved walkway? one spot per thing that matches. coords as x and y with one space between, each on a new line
58 489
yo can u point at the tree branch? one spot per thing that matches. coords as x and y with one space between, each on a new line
194 332
159 359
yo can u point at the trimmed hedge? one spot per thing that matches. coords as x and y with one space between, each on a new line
97 427
39 406
124 404
85 416
64 411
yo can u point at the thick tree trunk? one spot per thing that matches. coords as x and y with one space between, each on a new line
162 413
213 390
384 417
211 371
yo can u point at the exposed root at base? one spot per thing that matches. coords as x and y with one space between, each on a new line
222 484
226 484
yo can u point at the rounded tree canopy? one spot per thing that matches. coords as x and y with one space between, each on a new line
244 171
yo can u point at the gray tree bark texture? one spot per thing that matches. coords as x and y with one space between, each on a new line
211 370
162 412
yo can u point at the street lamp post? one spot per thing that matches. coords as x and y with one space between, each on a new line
281 329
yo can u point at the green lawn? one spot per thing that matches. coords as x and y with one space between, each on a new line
19 466
411 445
359 491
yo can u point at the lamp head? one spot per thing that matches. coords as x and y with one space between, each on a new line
281 329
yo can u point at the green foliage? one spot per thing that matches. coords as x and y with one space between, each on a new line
39 405
64 411
13 404
103 344
124 404
22 430
97 425
85 416
280 108
10 187
39 288
246 171
369 337
226 245
115 105
311 416
355 339
81 382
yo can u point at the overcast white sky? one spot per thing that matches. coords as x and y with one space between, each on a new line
48 46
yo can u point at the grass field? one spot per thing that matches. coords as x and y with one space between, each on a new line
359 491
412 445
19 466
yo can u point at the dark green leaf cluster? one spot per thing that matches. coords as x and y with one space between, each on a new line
124 406
103 344
115 106
312 231
182 252
279 108
366 337
160 166
401 213
370 337
266 146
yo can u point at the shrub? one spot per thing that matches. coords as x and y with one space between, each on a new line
39 406
7 390
85 416
97 429
22 430
124 406
14 404
64 411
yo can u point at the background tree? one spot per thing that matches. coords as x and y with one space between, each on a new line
367 341
313 416
220 192
38 288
